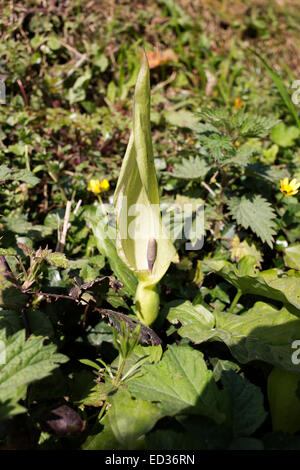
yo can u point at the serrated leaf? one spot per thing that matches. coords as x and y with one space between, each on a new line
57 259
26 176
191 168
218 146
18 175
25 362
256 213
181 383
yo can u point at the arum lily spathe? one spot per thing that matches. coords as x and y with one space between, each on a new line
142 241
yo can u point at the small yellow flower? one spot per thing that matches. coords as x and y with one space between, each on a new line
97 186
94 186
104 185
238 103
289 188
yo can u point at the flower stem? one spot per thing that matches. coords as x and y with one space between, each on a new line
235 300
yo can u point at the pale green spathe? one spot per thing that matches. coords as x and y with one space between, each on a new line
136 202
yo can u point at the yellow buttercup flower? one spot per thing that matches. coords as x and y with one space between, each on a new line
289 188
97 186
94 186
104 185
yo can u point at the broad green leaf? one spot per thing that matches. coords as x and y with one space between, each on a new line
292 256
245 405
125 424
5 172
256 213
272 283
181 383
186 312
191 168
263 333
283 135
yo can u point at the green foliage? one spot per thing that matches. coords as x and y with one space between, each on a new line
225 131
23 362
192 168
256 213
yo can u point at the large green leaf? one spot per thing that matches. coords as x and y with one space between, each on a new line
272 283
24 362
125 423
181 383
245 405
263 333
292 256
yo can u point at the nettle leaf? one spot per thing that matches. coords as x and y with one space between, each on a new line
256 126
125 423
57 259
219 146
181 383
245 406
191 168
26 176
256 213
24 362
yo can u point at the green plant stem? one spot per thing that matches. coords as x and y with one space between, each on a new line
235 300
102 410
117 378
